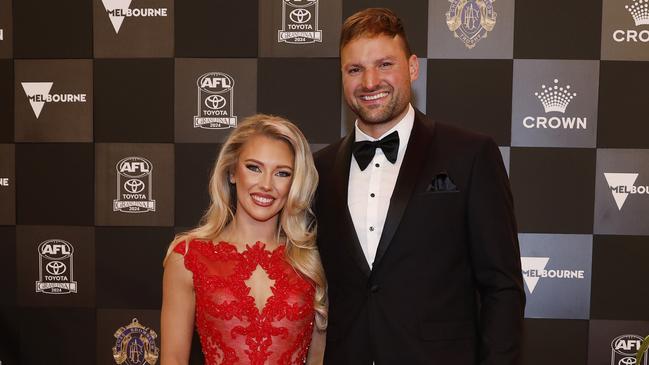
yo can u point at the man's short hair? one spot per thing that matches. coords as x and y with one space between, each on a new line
373 22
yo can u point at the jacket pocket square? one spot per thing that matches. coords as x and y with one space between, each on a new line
441 183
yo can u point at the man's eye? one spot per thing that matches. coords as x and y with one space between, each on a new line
386 64
254 168
353 71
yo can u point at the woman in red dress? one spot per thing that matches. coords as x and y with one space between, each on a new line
249 276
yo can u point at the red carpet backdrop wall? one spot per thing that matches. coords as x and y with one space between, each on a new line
112 112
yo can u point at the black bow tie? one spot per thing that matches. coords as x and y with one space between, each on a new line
364 150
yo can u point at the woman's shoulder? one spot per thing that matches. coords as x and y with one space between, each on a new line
186 244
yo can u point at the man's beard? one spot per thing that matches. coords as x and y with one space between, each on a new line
380 114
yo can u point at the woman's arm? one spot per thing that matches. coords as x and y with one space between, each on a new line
317 347
177 318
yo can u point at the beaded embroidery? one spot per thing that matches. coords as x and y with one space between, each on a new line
232 329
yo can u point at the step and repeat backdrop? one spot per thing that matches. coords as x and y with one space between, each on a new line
112 113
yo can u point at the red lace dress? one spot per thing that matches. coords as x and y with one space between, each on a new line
231 328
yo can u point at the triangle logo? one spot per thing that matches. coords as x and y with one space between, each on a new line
620 179
111 6
532 263
37 88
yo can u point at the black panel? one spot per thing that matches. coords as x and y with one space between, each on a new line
55 184
620 269
6 101
7 267
623 105
52 29
134 100
553 189
475 94
306 91
194 164
129 266
556 342
9 336
557 29
57 336
206 28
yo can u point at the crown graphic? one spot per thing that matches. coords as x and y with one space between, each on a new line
555 98
639 11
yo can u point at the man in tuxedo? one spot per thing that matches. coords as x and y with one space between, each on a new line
416 228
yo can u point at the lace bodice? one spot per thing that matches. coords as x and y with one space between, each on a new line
232 329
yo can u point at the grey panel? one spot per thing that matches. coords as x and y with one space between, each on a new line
625 31
53 100
134 184
133 28
555 103
622 192
469 42
557 274
212 96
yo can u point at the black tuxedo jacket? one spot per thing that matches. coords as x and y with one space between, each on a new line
446 284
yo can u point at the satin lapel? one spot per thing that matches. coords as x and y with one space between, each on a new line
341 180
413 162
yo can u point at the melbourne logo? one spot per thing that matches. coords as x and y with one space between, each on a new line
534 270
135 345
624 349
4 182
639 11
555 99
38 94
117 10
471 20
215 101
622 184
56 269
134 189
299 22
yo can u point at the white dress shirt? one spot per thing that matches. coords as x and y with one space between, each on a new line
369 191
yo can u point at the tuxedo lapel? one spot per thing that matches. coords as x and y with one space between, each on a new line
413 162
341 181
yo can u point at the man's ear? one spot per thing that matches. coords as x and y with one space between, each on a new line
413 67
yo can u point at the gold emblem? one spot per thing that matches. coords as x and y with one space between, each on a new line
135 345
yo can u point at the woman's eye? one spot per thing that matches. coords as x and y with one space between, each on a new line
254 168
284 173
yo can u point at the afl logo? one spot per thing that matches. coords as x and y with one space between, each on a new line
624 349
215 101
55 258
55 249
134 167
299 22
215 82
134 186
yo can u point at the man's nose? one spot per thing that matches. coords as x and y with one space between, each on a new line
370 79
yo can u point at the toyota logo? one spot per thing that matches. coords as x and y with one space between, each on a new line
215 102
627 361
134 186
300 16
55 267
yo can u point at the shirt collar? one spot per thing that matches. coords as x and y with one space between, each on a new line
403 128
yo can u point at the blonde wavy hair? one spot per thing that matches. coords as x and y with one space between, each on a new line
296 224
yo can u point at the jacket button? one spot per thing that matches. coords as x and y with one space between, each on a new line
374 288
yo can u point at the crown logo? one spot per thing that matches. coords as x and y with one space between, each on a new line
639 11
555 98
